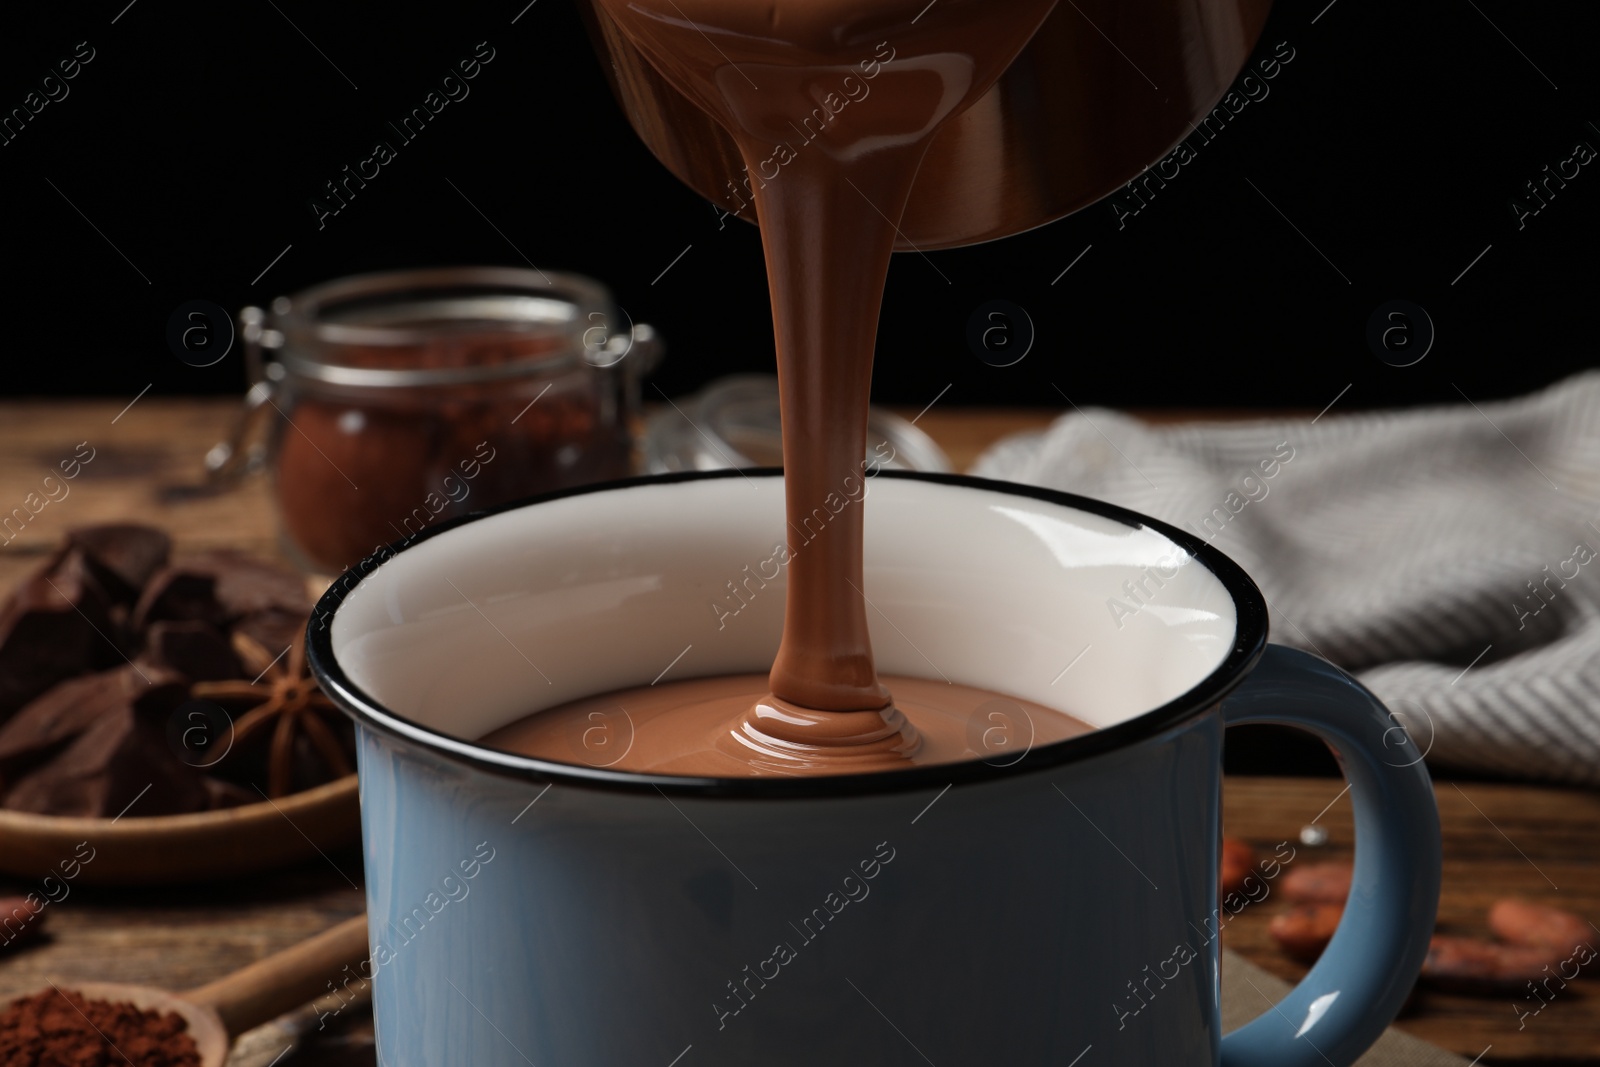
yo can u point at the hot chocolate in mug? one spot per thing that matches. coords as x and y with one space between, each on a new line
1044 904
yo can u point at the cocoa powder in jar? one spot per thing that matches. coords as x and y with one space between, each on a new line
361 467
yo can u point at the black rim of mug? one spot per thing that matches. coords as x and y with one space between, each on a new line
1249 641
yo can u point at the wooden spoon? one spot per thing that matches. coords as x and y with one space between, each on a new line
250 996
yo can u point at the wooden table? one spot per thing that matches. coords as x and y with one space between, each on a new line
1499 840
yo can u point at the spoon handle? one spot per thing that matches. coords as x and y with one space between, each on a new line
269 987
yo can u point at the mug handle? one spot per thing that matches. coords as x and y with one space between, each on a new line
1365 974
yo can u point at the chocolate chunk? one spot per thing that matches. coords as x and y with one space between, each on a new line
179 594
123 556
63 712
56 624
219 588
122 758
247 586
272 630
66 710
197 650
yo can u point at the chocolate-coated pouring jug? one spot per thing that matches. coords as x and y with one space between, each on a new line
1104 89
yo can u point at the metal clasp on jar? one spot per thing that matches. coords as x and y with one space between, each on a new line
246 449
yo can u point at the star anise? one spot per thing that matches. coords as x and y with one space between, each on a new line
285 696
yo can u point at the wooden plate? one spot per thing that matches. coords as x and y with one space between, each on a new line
162 849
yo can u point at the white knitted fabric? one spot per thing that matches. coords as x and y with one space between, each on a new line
1403 547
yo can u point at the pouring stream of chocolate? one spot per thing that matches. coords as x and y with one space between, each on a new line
774 72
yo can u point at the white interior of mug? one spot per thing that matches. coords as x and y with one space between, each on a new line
474 628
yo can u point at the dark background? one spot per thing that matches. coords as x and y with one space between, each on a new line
1395 141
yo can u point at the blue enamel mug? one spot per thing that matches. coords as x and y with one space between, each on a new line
1035 904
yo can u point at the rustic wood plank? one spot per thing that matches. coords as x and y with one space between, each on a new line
1499 841
181 937
147 466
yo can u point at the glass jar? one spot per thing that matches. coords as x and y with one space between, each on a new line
386 403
